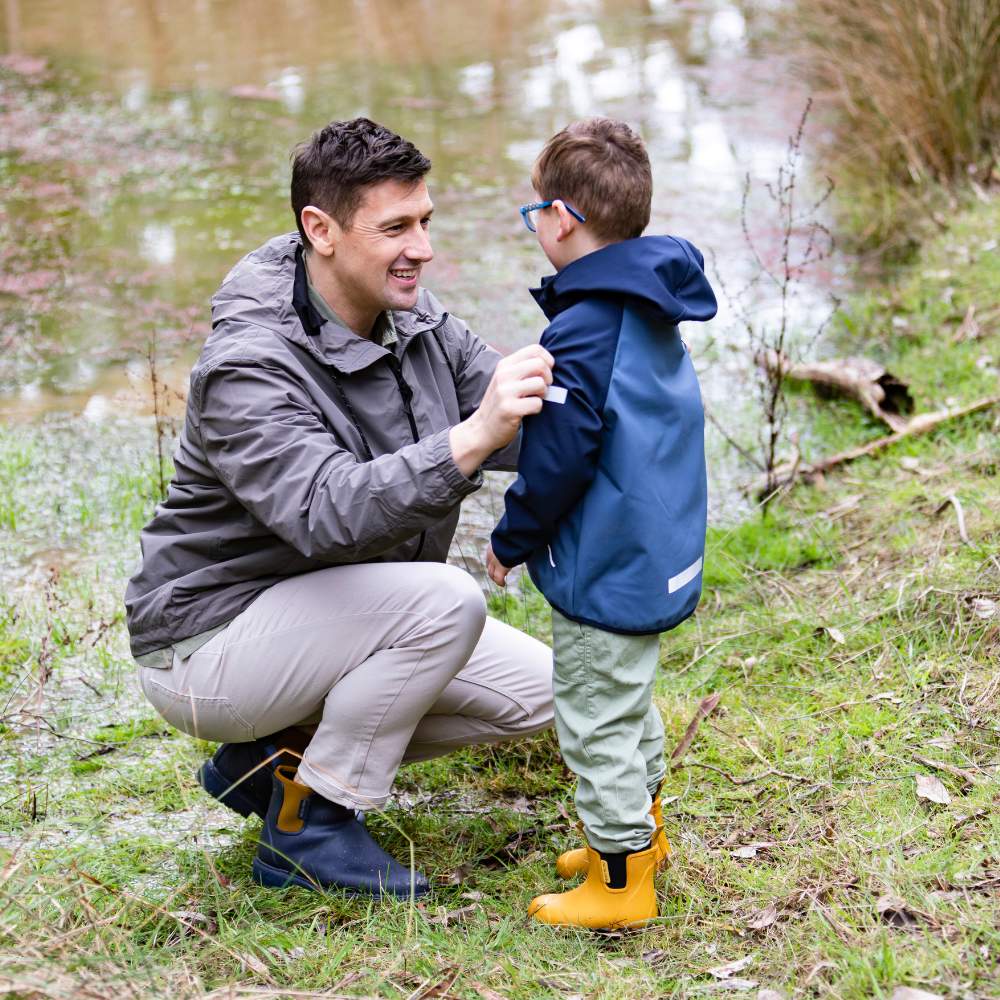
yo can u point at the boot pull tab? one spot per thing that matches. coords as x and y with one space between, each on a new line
294 798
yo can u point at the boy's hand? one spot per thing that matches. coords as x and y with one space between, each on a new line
495 569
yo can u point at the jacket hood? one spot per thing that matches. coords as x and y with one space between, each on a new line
663 271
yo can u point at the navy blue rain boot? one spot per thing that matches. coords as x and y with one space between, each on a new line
309 841
237 776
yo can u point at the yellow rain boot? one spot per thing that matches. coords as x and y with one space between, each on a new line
574 862
618 892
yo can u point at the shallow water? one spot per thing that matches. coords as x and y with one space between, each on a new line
144 148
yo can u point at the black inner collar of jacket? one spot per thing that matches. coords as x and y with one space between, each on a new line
308 315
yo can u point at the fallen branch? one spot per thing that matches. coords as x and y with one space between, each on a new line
705 708
939 765
786 474
880 392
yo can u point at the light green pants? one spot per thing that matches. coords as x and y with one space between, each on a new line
610 733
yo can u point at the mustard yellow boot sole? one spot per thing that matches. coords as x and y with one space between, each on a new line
595 905
572 863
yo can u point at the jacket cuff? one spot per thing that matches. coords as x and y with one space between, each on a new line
457 482
507 554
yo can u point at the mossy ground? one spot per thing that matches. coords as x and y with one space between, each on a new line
854 639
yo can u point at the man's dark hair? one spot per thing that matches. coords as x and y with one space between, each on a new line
332 168
601 168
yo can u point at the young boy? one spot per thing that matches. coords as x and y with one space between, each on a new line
609 507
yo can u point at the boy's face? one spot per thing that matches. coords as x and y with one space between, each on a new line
547 234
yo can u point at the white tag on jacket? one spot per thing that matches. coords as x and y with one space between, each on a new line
555 394
685 576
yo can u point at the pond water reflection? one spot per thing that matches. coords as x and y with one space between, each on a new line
167 128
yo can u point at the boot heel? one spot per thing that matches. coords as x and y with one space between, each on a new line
220 787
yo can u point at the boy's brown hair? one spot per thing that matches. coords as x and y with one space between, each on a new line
601 168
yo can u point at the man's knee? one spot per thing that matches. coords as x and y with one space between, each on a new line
459 598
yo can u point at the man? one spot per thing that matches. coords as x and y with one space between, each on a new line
293 591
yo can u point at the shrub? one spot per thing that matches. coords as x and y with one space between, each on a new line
912 93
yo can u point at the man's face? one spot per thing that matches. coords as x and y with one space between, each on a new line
377 261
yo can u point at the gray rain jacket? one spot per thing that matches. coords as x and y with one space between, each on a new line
304 446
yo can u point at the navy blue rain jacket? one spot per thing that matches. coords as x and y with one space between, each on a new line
609 507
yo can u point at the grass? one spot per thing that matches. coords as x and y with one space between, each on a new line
912 94
853 637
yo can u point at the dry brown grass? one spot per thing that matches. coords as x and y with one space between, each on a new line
912 91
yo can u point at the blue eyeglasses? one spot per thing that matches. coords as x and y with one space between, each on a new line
526 211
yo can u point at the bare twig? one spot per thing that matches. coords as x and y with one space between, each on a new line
804 242
705 708
959 514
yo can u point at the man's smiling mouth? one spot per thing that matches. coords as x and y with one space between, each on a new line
404 274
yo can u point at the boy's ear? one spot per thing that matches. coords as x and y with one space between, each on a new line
323 231
566 221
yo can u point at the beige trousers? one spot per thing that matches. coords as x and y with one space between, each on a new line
391 662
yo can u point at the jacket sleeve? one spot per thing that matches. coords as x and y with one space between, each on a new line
472 362
268 444
560 445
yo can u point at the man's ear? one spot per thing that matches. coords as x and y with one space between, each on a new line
567 224
323 231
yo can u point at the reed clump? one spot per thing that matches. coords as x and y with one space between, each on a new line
911 91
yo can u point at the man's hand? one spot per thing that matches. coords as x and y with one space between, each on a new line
495 569
515 391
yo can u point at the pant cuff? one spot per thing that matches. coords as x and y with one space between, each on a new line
336 793
631 840
652 784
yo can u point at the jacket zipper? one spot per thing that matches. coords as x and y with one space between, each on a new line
407 394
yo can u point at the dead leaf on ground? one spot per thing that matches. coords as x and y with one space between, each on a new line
942 742
816 970
439 989
763 918
254 964
458 875
969 329
896 911
731 968
655 957
486 993
770 995
191 919
454 916
748 851
844 507
931 788
910 993
985 607
946 895
736 984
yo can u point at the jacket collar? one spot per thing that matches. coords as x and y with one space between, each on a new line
345 350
